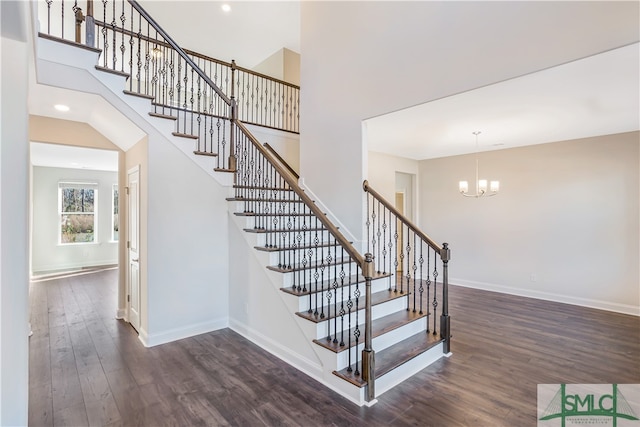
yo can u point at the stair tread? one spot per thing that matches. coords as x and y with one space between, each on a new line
379 327
274 214
395 356
111 71
283 230
253 187
184 135
329 310
298 267
287 248
163 116
69 42
139 95
255 199
224 170
205 153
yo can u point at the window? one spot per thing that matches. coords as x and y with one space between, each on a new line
77 202
114 213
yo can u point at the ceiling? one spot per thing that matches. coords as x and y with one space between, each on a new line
64 156
250 33
597 95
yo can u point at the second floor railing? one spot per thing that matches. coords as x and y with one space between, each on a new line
132 46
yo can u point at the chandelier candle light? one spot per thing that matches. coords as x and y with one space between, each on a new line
481 184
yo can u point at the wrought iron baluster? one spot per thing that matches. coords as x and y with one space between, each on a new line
131 50
435 292
49 16
349 308
335 292
382 245
305 233
113 30
356 332
105 43
428 284
377 240
396 264
123 19
390 250
415 268
421 288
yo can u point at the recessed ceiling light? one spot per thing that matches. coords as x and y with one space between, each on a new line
226 8
61 107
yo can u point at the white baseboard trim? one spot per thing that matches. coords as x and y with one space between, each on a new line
151 340
143 337
548 296
314 370
121 313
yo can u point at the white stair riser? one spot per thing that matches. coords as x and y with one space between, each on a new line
377 311
289 239
408 369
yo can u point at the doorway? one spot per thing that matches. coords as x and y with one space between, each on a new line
133 240
404 205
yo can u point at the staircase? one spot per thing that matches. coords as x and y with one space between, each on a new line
370 321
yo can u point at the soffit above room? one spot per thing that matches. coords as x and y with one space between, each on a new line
593 96
87 108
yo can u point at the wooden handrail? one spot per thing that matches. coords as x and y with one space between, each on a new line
367 188
293 183
180 51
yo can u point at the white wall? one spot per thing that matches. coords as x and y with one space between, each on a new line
47 253
187 247
283 64
363 59
382 176
563 227
14 349
286 144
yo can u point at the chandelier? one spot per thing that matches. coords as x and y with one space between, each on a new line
481 184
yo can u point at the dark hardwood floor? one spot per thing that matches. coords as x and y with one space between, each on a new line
86 368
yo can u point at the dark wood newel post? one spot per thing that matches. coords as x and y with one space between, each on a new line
445 320
90 27
368 359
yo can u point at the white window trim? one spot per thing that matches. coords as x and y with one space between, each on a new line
78 185
115 187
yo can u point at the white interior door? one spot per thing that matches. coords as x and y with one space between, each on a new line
133 238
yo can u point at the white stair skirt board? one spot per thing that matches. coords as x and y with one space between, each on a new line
151 340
